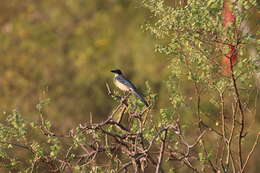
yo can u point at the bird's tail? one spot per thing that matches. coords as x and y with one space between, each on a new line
140 97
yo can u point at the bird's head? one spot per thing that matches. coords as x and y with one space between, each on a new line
116 71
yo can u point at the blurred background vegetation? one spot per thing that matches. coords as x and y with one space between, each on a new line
64 51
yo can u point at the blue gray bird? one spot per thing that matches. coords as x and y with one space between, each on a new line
125 85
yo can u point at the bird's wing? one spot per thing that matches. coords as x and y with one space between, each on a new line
126 82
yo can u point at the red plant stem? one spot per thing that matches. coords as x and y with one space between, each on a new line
228 20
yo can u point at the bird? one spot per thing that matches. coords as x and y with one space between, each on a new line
125 85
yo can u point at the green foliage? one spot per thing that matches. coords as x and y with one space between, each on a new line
191 37
79 138
13 129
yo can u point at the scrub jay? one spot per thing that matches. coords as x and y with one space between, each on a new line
125 85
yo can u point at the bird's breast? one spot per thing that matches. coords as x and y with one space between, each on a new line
121 86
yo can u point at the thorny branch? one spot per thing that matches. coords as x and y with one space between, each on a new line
127 145
138 151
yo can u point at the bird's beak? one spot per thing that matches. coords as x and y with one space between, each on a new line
113 71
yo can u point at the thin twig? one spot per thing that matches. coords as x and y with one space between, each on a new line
159 164
250 153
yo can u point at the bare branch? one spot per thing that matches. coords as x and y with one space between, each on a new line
161 152
251 152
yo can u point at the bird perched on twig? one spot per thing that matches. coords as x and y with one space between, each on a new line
125 85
